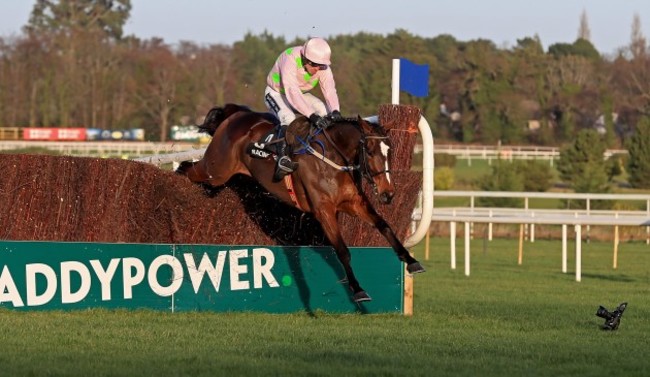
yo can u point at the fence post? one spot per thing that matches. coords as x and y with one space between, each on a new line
520 258
564 247
578 252
467 248
452 241
490 228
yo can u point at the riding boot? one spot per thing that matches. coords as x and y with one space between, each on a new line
284 164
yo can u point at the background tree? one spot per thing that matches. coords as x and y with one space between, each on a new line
254 56
207 81
503 177
536 175
73 66
583 31
581 47
638 43
639 155
79 32
160 74
582 165
71 16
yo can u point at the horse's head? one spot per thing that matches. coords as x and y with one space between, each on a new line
375 149
217 115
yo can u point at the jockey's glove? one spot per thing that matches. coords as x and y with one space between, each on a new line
336 115
318 121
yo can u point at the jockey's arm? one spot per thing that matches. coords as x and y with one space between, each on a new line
328 87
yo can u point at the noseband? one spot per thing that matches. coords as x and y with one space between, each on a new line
364 165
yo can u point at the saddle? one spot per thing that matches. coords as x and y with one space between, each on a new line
268 144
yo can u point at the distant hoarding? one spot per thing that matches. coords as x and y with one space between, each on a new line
60 134
133 134
188 133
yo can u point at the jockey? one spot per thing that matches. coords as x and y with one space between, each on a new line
296 71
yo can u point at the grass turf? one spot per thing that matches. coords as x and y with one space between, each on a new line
502 320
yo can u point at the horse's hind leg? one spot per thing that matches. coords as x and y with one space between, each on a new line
333 233
367 213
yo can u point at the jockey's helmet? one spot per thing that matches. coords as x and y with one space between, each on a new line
317 50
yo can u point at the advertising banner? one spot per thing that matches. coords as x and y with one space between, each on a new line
63 275
97 134
54 134
188 133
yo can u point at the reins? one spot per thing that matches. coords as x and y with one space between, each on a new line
362 167
329 162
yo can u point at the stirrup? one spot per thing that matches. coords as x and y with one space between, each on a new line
285 164
280 173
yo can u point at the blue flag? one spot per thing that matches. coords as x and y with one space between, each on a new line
414 78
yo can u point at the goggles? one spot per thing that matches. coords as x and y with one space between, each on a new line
321 67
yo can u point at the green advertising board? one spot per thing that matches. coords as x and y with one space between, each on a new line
60 275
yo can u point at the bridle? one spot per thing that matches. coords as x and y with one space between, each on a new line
364 163
361 170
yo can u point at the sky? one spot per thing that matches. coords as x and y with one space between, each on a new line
501 21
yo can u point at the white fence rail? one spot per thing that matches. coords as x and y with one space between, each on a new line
506 152
549 216
173 158
136 148
129 149
587 197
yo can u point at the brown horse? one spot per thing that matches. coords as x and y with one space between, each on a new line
324 184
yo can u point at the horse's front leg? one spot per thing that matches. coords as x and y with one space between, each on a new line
332 231
367 213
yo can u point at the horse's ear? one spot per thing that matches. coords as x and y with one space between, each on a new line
365 126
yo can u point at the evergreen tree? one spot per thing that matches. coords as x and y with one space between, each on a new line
504 177
581 47
581 164
536 175
639 159
584 32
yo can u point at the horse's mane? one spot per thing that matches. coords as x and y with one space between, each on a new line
217 115
376 127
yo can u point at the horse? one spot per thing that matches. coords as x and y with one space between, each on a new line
324 184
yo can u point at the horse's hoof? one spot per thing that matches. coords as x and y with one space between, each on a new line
361 296
415 268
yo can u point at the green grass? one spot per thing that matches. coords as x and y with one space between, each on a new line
503 320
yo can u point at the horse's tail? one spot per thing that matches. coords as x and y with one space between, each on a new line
217 115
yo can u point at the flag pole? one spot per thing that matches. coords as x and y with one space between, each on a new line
395 83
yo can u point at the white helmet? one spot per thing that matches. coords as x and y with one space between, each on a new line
317 51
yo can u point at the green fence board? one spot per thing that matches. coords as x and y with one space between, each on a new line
62 275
